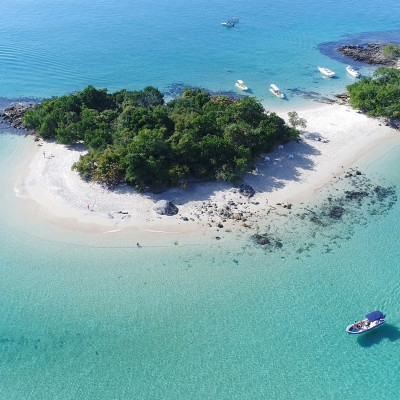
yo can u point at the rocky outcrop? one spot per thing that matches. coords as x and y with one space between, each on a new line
13 114
370 53
246 190
165 207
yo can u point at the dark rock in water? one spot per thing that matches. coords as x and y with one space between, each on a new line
382 193
370 53
14 114
310 95
246 190
165 207
336 212
355 195
268 242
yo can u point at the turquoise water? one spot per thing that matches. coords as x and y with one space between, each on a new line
88 317
53 47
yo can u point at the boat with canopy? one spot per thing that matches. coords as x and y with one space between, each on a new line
231 22
371 321
240 84
275 90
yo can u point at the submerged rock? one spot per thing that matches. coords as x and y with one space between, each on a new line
336 212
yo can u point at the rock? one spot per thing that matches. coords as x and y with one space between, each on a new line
370 53
246 190
185 218
165 207
13 114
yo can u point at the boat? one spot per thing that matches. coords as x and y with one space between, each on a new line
240 84
353 71
231 22
275 90
327 72
371 321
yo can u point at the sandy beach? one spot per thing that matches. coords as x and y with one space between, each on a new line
336 138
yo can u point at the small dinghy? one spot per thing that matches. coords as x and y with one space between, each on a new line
371 321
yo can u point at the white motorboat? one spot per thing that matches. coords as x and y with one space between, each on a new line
353 71
275 90
327 72
240 84
371 321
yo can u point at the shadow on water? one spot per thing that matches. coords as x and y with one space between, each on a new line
376 336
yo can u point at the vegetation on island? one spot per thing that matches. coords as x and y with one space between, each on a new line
378 95
134 137
391 50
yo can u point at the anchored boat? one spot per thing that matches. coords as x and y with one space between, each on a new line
371 321
275 90
353 71
327 72
231 22
240 84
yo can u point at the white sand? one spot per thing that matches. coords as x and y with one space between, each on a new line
61 197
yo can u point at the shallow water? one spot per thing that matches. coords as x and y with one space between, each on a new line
91 317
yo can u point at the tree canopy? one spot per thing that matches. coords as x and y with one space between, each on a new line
133 136
378 95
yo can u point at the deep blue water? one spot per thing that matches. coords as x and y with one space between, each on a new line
84 317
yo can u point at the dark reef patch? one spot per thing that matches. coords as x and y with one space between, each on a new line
353 201
310 95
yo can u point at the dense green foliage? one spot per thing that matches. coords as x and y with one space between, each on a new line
379 95
136 138
391 50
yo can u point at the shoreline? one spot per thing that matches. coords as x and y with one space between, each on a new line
49 190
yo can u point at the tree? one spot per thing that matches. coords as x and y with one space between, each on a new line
296 121
378 95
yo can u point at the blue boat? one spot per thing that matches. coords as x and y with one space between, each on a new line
371 321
